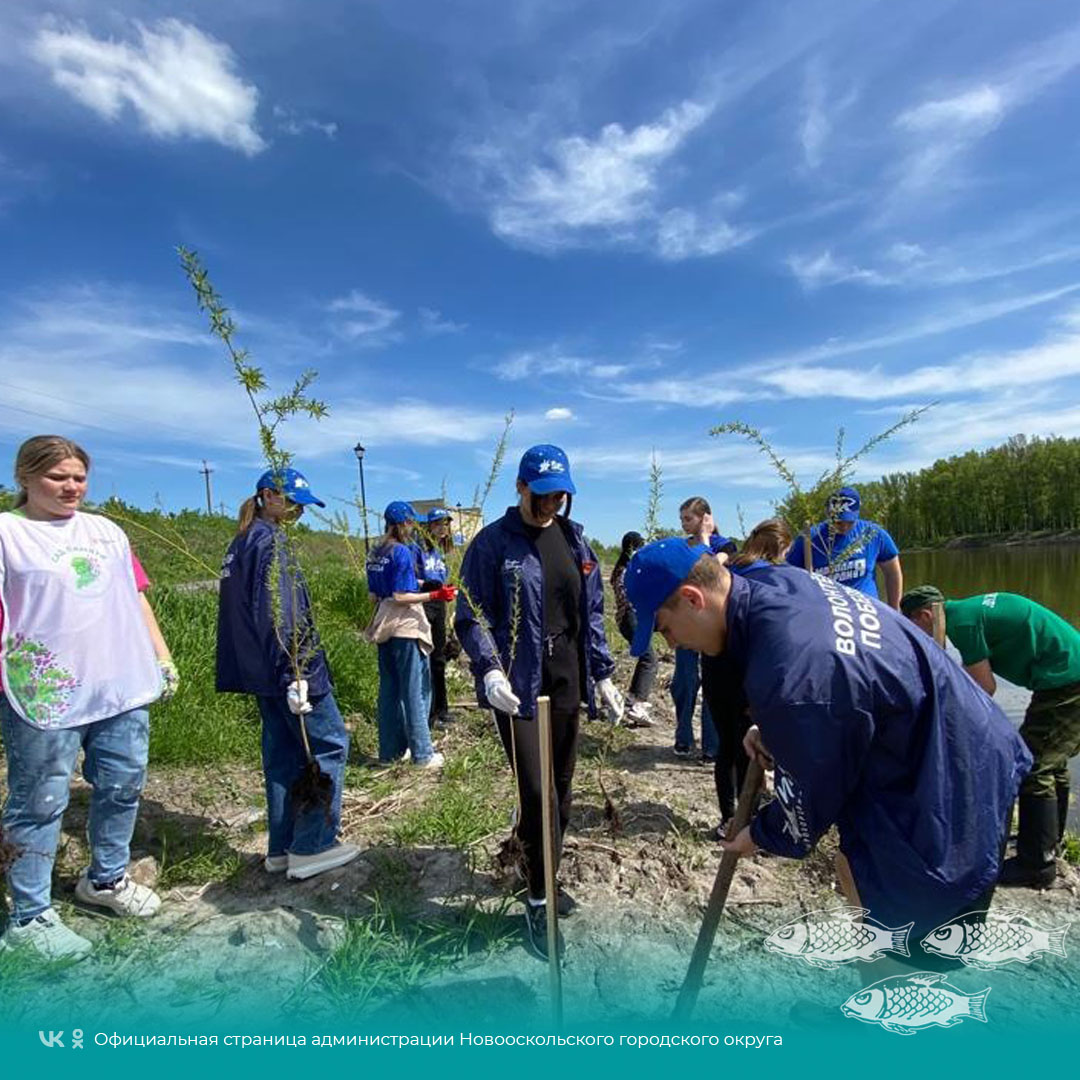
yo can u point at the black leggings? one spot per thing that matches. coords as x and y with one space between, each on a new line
530 826
722 689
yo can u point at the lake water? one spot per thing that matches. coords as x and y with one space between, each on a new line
1048 574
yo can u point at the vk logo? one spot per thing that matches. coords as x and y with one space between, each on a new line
55 1038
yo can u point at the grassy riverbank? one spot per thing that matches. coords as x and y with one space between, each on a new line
1038 538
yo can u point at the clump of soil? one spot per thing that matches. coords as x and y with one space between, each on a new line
313 790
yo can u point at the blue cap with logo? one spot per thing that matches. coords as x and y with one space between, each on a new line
398 511
291 483
545 469
438 513
652 575
844 505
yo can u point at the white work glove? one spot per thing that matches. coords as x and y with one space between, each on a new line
499 693
612 699
296 697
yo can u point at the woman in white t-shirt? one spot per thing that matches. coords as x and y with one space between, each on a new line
81 658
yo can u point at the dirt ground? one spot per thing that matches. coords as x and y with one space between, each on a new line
417 924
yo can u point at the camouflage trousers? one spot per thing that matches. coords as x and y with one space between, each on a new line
1051 728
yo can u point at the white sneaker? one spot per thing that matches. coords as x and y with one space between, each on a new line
638 715
436 761
305 866
126 897
48 937
276 864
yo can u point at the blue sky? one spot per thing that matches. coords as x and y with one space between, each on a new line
628 222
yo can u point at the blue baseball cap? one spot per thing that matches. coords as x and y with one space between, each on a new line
545 468
844 505
438 513
398 511
652 575
291 483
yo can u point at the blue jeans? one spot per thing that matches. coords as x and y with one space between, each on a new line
684 688
40 766
404 700
284 760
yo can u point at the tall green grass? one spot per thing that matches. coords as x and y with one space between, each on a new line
200 726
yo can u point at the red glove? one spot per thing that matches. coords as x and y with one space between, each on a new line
446 592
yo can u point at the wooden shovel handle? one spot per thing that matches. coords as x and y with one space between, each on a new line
695 974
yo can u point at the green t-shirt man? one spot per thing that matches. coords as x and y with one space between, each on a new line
1024 642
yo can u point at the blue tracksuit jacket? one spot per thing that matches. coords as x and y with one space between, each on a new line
250 656
873 727
502 559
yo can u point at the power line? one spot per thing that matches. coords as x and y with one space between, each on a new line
111 412
56 419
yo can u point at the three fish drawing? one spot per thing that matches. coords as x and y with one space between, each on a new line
906 1004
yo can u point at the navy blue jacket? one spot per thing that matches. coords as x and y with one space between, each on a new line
874 728
501 556
250 655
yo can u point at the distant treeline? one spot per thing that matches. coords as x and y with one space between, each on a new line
1024 485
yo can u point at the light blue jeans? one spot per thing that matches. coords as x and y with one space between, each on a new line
404 700
684 687
284 760
40 766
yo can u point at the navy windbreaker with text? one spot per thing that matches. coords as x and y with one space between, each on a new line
501 561
251 657
874 728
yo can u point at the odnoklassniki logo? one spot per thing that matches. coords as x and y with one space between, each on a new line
54 1039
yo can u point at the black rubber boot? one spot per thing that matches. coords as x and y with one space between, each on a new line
1034 866
1063 809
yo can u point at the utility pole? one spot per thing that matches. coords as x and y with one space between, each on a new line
206 471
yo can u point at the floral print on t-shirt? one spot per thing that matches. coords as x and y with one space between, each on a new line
37 682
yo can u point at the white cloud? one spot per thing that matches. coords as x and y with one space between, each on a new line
558 413
798 373
813 272
290 122
180 82
578 184
403 422
432 322
113 361
942 322
815 126
363 320
980 108
942 130
542 363
1056 358
694 390
608 371
913 266
681 234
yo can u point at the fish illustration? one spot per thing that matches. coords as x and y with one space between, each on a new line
827 939
1005 937
905 1004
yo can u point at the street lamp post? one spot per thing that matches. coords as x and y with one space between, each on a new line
358 450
